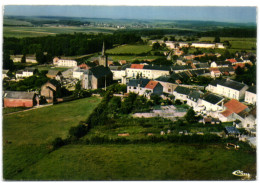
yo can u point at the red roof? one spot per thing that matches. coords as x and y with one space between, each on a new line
152 84
235 106
226 113
232 60
137 66
214 69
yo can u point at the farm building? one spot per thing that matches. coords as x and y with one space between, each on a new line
49 90
64 62
250 95
54 74
20 99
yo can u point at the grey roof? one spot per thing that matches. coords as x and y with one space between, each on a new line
212 98
202 65
100 71
195 95
226 69
4 71
115 67
53 72
252 89
18 94
19 72
135 82
201 71
232 130
216 81
181 67
232 84
182 90
157 67
31 69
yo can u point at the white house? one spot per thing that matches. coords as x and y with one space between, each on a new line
193 98
147 71
4 73
28 59
228 88
250 95
27 72
118 72
203 45
64 62
78 73
212 102
144 87
181 93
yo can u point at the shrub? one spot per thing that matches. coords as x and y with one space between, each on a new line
57 143
78 131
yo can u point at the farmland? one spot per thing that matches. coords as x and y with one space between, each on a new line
20 32
139 162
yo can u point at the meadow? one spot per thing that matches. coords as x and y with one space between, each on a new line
27 135
140 162
130 49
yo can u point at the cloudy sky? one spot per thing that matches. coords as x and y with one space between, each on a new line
213 13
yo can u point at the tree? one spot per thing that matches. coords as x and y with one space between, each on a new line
172 38
156 46
40 57
165 39
217 39
190 116
23 60
7 62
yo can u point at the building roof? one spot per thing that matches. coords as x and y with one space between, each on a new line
151 84
228 83
137 66
215 70
202 65
182 90
100 71
232 60
18 95
135 82
156 67
4 71
195 95
235 106
53 72
226 113
212 98
19 72
252 89
232 130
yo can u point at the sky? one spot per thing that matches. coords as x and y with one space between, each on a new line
241 14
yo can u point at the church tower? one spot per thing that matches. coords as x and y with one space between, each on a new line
103 57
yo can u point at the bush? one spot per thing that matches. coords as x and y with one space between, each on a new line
78 131
57 143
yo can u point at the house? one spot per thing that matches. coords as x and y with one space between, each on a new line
27 72
181 93
250 95
232 131
212 102
214 72
64 62
78 73
97 77
137 85
144 87
28 58
4 73
210 120
50 90
54 74
203 45
19 74
228 88
249 122
20 99
168 87
84 66
147 71
193 98
232 110
226 71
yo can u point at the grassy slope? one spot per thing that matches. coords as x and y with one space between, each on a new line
44 124
140 162
28 133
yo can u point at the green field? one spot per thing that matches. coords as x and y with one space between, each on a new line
237 44
26 135
139 162
13 109
131 58
130 49
20 32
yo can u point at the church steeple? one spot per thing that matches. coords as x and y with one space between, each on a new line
103 49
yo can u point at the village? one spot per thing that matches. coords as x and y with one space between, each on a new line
222 100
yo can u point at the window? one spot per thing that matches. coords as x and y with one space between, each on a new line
248 125
129 87
169 90
134 87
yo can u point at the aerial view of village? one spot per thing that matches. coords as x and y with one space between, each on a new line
129 93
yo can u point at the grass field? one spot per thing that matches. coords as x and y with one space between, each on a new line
26 134
43 125
131 58
13 109
20 32
140 162
236 43
130 49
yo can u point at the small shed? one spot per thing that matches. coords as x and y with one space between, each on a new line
232 131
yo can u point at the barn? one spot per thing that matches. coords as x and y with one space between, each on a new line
20 99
